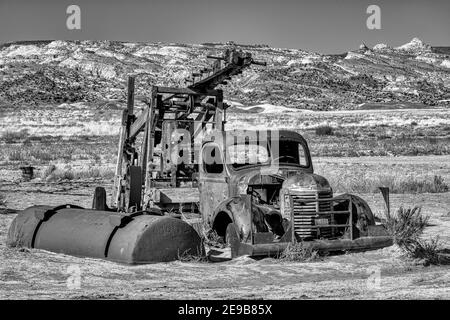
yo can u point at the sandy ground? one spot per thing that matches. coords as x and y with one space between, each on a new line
379 274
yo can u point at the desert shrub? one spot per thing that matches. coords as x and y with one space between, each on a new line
427 251
324 131
298 252
439 185
14 136
406 226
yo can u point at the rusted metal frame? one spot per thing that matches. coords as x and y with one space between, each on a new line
173 168
332 215
130 103
218 77
249 203
385 193
318 231
139 123
186 91
332 212
320 245
291 207
150 142
119 162
127 119
328 226
144 146
224 120
218 115
350 210
305 200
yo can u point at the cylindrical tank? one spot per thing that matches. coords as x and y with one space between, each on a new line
131 239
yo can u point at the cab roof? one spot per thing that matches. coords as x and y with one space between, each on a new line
255 135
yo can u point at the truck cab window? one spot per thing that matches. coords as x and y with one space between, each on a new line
292 152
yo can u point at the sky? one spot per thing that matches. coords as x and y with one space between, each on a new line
322 26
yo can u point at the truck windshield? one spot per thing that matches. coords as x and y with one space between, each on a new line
290 152
239 155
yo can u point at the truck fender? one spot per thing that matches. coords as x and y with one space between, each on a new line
237 211
362 214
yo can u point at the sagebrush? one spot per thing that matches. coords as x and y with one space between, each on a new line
407 226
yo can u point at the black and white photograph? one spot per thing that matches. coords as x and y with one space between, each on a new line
219 151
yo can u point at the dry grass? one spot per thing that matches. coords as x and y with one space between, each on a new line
211 238
400 175
53 173
14 136
198 256
2 200
355 134
298 252
396 183
39 150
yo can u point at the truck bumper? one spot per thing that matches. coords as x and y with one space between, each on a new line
371 242
273 249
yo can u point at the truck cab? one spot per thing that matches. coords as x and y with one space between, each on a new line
242 166
259 188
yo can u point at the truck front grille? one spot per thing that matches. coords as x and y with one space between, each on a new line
305 215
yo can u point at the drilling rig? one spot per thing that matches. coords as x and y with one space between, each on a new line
190 110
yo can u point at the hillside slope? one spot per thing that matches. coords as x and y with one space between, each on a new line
54 72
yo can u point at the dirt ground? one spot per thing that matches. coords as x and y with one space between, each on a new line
379 274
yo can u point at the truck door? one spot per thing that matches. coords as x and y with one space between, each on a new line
213 186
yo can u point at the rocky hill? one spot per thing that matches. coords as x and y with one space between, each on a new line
54 72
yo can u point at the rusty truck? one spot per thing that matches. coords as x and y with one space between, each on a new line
177 163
